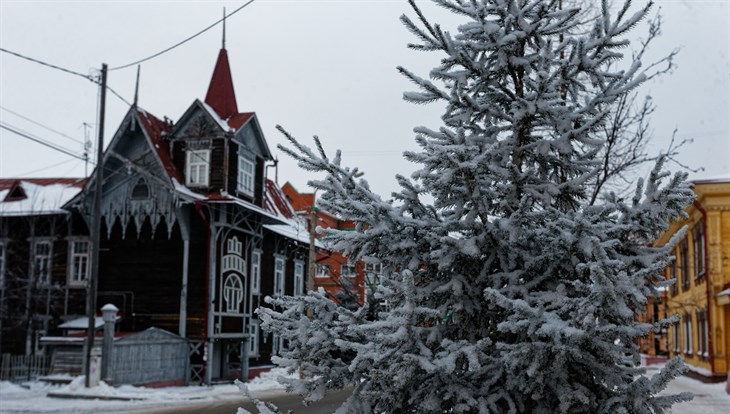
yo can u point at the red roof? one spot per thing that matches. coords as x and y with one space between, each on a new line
155 129
221 95
275 201
6 183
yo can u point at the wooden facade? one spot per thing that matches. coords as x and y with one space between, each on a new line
193 235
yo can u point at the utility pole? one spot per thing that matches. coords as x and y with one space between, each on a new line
95 236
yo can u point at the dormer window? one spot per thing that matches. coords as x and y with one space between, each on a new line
196 168
245 175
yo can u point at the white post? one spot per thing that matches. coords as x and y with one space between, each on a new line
109 314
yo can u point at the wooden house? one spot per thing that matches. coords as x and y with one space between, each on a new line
42 261
193 235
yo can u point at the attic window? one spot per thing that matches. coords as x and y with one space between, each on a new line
141 191
16 193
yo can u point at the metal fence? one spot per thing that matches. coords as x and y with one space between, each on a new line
23 367
151 356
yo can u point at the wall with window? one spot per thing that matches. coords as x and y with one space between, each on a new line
701 293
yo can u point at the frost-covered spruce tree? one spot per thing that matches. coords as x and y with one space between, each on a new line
509 293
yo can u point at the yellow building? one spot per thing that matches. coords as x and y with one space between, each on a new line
701 292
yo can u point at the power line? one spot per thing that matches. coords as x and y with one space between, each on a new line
41 141
48 167
182 42
73 72
40 125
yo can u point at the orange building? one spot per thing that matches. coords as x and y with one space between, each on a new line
700 295
343 279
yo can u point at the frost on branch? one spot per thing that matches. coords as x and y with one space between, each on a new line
515 290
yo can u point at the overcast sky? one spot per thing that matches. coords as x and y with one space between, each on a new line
315 67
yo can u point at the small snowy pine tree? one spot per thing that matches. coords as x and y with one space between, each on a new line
510 293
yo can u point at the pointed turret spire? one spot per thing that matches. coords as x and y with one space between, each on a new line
221 96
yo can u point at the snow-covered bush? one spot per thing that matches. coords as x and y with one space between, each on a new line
509 292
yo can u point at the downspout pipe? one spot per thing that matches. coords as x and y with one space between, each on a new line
708 282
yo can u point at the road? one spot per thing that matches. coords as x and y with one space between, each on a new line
284 402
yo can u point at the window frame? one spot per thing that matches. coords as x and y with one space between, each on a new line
245 180
71 280
256 272
698 250
47 275
201 164
687 331
298 278
684 262
253 338
279 276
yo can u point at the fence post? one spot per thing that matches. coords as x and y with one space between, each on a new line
109 313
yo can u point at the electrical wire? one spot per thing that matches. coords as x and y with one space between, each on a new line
182 42
41 125
41 141
48 167
72 72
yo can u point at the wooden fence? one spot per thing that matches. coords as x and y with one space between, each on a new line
23 367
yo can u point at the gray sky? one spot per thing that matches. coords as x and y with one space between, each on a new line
315 67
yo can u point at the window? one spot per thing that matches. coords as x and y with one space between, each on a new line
279 276
698 245
675 336
256 272
140 190
253 339
298 278
702 333
687 333
673 275
278 345
684 262
233 293
42 260
197 168
245 175
348 270
78 263
322 270
2 264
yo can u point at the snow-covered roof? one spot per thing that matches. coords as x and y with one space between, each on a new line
35 196
83 323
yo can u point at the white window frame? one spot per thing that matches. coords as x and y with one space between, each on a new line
675 337
277 345
298 278
348 270
256 272
245 182
687 319
42 277
74 278
322 271
197 168
279 275
253 339
233 293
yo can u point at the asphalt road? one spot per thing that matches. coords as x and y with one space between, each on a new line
284 402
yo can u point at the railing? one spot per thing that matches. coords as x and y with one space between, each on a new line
23 367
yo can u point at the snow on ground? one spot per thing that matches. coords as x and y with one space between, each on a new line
34 399
709 398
